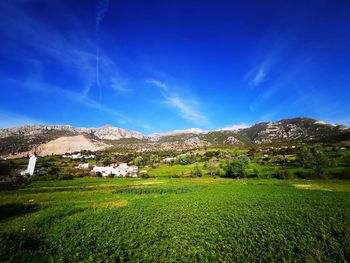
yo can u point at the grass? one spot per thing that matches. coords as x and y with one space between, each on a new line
176 220
167 170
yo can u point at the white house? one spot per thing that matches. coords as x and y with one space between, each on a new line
104 170
79 156
122 170
76 156
84 166
169 160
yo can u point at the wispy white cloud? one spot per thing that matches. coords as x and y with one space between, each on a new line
235 127
120 85
159 84
41 87
75 52
186 108
258 75
267 61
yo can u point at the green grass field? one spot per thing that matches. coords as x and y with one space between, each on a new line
176 220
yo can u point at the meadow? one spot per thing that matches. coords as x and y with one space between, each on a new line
176 220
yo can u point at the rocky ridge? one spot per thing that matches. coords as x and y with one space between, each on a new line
288 131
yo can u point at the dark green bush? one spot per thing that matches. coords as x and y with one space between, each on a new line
144 175
65 176
110 175
13 181
281 173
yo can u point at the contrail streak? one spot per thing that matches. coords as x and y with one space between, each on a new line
102 8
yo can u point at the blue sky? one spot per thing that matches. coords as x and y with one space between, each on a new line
155 66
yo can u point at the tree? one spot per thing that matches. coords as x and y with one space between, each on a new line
319 161
107 160
315 159
154 159
186 159
212 167
196 171
138 161
252 152
304 157
236 167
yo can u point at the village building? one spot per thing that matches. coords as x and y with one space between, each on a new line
121 170
84 166
79 156
169 160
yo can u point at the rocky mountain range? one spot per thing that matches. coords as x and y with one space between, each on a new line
58 139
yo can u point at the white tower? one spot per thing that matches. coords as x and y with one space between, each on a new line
31 164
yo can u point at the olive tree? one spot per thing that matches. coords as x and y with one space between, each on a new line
236 167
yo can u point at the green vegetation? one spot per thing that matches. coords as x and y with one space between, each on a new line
236 167
176 220
210 205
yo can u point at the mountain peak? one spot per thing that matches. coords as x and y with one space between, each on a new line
107 126
179 132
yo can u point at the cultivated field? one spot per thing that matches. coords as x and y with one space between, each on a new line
176 220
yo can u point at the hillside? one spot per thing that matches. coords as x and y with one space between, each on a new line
14 141
25 138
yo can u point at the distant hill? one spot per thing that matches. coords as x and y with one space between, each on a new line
19 140
25 138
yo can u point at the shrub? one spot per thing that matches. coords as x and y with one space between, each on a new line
107 160
304 175
144 175
52 170
236 167
196 171
65 176
315 159
255 174
13 181
186 159
344 174
110 175
281 173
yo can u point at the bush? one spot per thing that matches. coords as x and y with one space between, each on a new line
304 175
281 173
53 171
236 167
107 160
110 175
314 158
81 173
144 175
65 176
255 174
186 159
13 181
196 171
344 174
